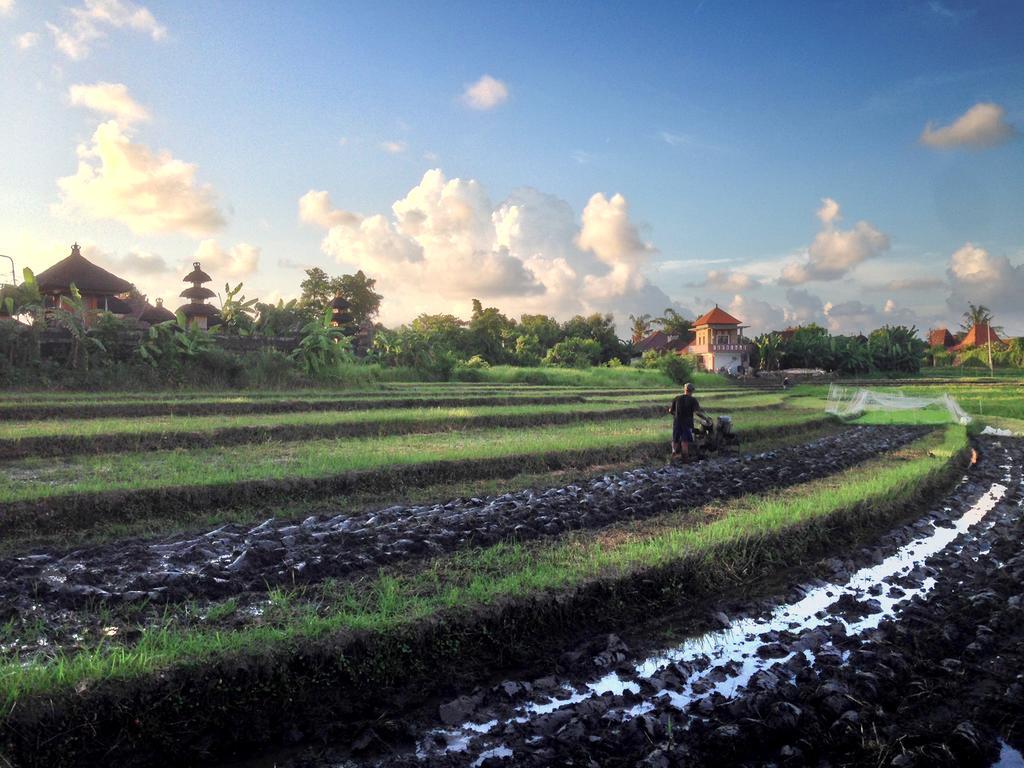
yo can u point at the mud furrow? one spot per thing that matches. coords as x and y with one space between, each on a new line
918 643
234 559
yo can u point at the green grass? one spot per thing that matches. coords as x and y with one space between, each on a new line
41 478
505 571
1005 398
13 430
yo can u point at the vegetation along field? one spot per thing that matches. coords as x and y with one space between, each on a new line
419 573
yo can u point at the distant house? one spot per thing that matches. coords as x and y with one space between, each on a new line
715 339
719 341
941 337
978 336
659 341
101 291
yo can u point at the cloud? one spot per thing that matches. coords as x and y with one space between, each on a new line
675 139
150 192
834 251
730 280
760 316
25 41
315 207
109 99
983 125
486 93
915 284
6 7
978 277
394 147
240 260
445 242
90 22
854 316
804 307
134 263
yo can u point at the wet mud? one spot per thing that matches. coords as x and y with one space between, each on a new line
909 652
234 559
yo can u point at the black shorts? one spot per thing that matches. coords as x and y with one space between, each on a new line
681 434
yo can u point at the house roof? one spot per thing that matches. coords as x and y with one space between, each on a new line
157 314
940 337
716 317
87 277
660 341
198 310
978 336
196 275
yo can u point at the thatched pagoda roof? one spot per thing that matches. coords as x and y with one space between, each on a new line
198 310
196 275
87 277
197 293
157 314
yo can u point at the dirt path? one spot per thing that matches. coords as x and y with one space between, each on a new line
233 559
910 653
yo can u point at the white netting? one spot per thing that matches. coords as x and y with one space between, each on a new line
848 402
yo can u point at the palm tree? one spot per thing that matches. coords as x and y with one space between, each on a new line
976 315
673 324
981 315
641 327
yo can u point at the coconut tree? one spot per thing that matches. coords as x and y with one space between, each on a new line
641 327
673 324
981 315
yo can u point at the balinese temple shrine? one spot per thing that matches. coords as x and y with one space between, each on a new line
101 291
197 311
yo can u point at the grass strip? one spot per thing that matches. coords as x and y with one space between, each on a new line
421 631
104 437
40 478
471 455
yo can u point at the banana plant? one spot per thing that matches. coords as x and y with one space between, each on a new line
322 346
71 314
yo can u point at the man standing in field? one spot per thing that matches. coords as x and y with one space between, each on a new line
683 409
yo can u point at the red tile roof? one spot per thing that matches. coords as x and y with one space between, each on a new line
716 317
978 336
940 337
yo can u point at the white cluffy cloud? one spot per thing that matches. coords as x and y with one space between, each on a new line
150 192
109 99
983 125
394 147
976 276
25 41
445 243
6 6
835 251
90 22
239 260
486 93
730 280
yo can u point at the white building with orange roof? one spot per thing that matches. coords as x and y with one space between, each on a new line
718 342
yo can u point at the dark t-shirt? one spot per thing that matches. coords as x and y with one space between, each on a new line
683 408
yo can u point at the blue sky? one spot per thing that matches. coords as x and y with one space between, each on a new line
656 144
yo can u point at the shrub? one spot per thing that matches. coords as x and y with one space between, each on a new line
677 368
574 352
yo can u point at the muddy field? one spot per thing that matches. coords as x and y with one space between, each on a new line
906 653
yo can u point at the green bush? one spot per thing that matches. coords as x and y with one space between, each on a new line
574 352
677 368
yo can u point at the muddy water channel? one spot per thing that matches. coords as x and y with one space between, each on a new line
65 598
907 653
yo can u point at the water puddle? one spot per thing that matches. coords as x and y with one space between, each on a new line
726 660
